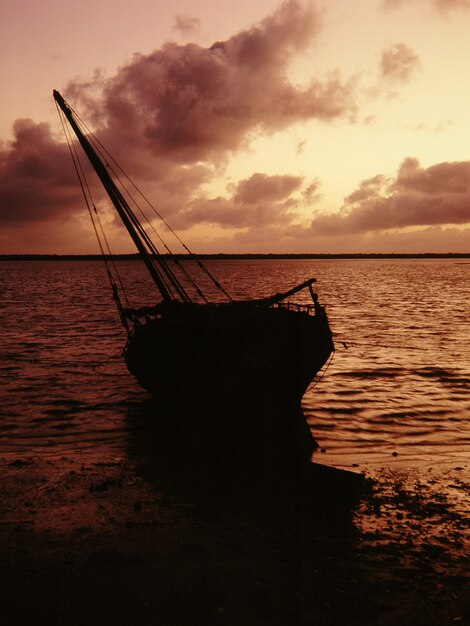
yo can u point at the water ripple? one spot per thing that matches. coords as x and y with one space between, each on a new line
399 380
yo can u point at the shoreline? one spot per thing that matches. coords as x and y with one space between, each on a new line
108 542
232 257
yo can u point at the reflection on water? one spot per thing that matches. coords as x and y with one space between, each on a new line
398 382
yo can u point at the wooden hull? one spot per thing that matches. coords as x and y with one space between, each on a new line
234 373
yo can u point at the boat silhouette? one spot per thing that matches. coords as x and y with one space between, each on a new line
231 371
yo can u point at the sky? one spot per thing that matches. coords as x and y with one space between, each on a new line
284 127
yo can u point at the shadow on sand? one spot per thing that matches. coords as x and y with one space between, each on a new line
220 468
280 529
189 529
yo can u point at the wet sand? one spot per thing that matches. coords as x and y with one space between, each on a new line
106 542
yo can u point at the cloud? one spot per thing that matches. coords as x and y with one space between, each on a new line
443 6
37 181
174 117
260 187
259 200
398 63
437 195
187 103
296 239
440 127
186 24
389 5
449 5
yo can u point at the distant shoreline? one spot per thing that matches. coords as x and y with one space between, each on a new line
231 257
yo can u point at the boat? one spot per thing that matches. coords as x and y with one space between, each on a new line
233 370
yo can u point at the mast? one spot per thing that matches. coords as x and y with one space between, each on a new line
114 194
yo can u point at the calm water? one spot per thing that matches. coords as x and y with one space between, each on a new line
399 381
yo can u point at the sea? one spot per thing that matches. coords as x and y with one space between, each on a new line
82 467
396 391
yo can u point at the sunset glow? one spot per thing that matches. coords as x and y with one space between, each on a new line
295 127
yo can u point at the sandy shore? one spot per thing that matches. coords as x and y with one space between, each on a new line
107 542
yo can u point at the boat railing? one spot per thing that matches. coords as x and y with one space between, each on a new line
310 309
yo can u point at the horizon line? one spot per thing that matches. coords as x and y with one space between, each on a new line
234 256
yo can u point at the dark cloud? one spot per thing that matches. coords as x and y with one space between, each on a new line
264 188
189 103
259 200
398 63
37 181
436 195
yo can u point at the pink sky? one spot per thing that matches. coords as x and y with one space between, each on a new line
294 127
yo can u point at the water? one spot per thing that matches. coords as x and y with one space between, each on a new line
395 393
76 484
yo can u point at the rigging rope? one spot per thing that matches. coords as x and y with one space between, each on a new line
170 282
101 149
89 202
117 197
318 378
118 201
